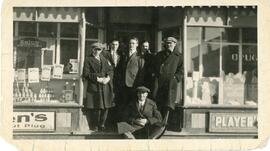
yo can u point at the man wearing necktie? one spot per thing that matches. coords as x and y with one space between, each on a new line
142 119
168 72
131 67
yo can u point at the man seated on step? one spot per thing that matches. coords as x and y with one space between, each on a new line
142 119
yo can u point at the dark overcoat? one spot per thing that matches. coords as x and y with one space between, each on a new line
168 72
98 96
116 69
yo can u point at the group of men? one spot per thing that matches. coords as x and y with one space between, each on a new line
144 84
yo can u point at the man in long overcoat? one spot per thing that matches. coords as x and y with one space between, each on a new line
168 73
98 72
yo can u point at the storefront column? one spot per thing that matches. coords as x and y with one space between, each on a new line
82 31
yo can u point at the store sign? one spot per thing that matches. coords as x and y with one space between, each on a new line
34 121
233 122
30 43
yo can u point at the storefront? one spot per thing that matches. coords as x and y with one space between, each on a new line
218 43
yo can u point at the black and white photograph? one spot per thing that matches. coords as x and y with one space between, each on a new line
135 72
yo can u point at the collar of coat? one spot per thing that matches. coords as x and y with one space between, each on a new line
175 52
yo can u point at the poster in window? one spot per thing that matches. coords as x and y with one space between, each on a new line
74 65
46 73
58 71
21 75
33 75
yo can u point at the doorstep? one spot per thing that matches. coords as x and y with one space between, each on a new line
113 135
186 134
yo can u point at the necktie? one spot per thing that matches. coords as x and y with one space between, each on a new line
141 107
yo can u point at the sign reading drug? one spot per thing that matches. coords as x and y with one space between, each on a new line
233 122
34 121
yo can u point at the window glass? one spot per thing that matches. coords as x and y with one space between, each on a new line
230 59
27 29
69 30
212 35
250 59
68 50
211 60
251 72
249 35
230 35
27 58
193 47
47 29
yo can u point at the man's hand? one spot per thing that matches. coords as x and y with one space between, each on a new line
141 121
106 80
100 80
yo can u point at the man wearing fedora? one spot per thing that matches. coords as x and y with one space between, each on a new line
143 120
168 72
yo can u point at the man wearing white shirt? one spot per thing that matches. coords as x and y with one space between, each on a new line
131 73
142 119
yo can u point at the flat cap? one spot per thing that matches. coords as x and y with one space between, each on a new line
170 39
97 45
142 89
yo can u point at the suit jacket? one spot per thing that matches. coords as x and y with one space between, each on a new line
168 72
116 78
149 112
132 70
98 95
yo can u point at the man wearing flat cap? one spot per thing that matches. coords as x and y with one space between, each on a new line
168 72
143 120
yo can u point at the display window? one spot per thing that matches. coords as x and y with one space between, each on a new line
46 62
221 66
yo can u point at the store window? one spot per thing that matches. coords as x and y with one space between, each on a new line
69 50
46 52
69 30
221 66
27 28
47 29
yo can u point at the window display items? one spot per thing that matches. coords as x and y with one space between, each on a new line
27 95
68 93
74 66
58 71
33 75
46 73
233 88
21 75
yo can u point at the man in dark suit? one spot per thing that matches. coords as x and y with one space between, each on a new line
149 57
132 73
113 56
168 73
142 119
